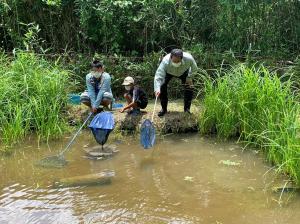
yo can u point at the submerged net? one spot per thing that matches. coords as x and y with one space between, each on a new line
57 161
101 126
147 134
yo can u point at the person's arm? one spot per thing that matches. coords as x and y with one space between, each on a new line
132 104
193 67
160 76
99 98
105 87
91 91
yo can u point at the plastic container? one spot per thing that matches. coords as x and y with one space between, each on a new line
74 99
117 105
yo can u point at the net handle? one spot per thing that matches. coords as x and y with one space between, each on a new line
72 140
154 108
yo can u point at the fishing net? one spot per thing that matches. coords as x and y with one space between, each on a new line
57 161
101 126
147 134
101 135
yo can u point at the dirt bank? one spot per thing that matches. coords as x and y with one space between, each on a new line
175 121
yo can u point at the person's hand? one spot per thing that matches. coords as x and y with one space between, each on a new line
189 82
157 93
94 110
122 110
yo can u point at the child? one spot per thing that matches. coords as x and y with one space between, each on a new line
136 97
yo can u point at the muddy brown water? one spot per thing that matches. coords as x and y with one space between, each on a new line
182 181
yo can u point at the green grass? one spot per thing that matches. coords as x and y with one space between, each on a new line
33 96
257 107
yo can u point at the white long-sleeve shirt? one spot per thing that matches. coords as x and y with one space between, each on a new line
187 63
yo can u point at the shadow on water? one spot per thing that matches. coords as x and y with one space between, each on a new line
147 163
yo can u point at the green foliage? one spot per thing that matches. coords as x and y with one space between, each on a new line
293 73
53 2
33 95
120 26
137 27
256 106
262 26
56 20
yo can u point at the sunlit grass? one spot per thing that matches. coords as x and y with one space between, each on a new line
255 106
33 95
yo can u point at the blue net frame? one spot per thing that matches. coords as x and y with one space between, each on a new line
101 126
147 138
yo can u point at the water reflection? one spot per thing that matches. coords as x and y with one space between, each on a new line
183 181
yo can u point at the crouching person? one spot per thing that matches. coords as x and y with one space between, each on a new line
98 93
135 96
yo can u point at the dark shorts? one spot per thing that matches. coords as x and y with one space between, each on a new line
142 103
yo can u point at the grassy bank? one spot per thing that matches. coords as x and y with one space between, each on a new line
33 95
254 105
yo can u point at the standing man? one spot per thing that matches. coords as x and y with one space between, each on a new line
98 88
177 64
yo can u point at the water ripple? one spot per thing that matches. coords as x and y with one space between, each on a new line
30 205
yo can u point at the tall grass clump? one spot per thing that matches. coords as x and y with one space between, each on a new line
33 95
253 104
293 72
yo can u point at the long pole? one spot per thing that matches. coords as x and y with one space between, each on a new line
154 109
72 140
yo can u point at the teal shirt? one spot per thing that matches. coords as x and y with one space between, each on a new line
97 87
188 63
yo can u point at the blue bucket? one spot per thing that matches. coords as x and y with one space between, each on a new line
74 99
117 105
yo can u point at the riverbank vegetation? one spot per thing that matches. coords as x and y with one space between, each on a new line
256 106
33 95
138 27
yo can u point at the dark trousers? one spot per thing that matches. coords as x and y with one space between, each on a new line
188 91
